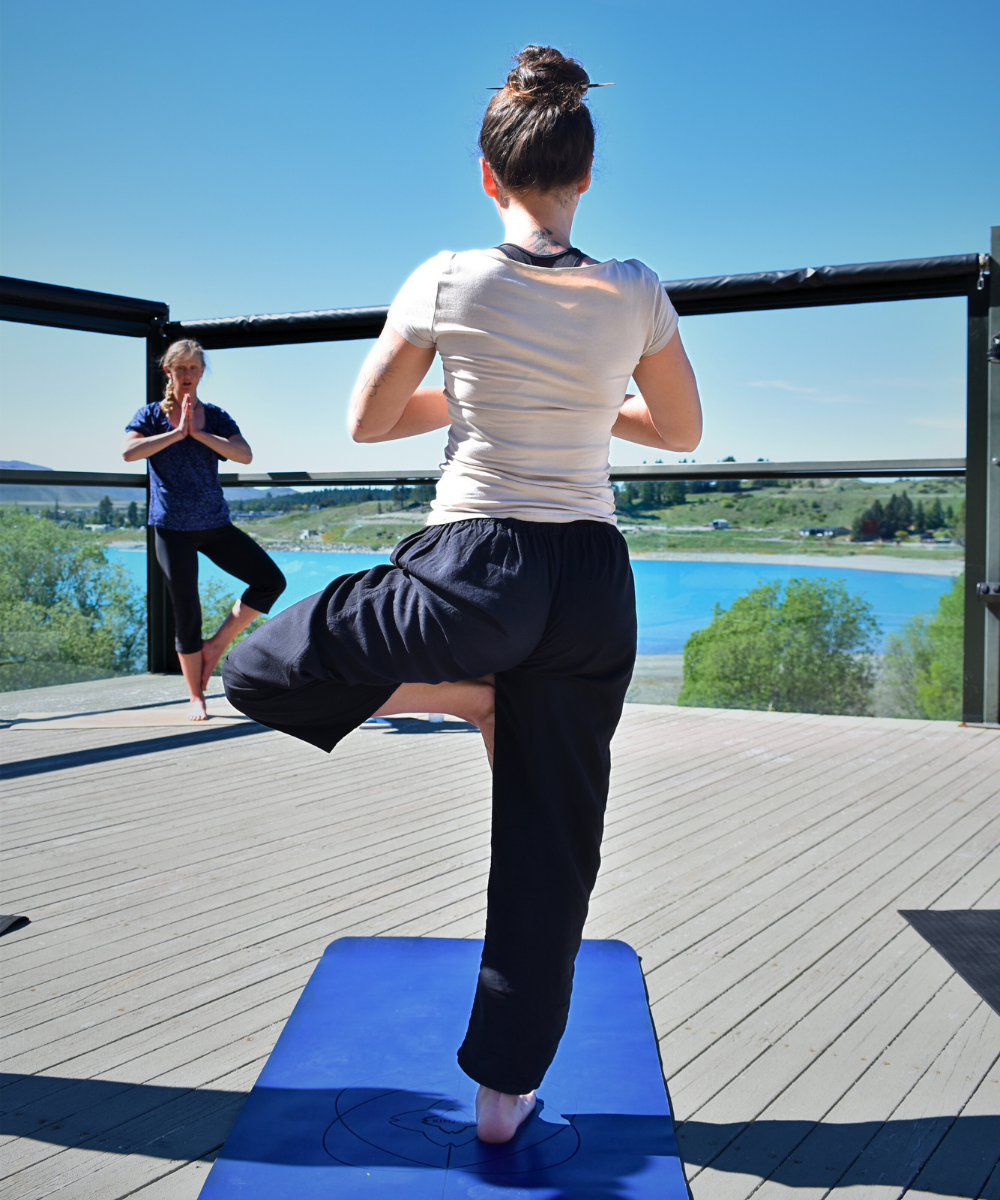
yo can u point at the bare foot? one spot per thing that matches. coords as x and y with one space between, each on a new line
197 711
499 1116
210 655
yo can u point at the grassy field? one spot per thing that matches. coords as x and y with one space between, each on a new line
767 519
357 526
764 520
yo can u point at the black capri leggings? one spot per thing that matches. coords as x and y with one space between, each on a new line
229 548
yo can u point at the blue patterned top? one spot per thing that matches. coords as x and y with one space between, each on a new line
184 489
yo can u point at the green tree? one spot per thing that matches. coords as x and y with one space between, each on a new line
956 522
806 647
132 518
66 613
105 511
923 663
728 485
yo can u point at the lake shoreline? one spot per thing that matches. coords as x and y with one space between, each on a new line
872 562
861 562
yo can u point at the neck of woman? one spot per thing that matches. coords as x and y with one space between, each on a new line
540 224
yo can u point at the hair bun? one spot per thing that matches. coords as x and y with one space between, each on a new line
544 76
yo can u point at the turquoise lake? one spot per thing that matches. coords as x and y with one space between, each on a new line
672 598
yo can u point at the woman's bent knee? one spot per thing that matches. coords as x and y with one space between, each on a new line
266 592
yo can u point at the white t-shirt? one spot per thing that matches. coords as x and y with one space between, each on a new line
536 364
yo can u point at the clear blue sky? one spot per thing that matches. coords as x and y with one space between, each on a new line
253 157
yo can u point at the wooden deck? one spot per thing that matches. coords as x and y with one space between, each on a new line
181 886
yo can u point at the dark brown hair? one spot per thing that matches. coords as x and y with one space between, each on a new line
537 134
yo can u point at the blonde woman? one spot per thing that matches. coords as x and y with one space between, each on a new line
184 440
514 607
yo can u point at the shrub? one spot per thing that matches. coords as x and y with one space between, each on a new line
806 647
66 613
923 663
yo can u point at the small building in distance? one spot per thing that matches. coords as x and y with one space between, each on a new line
827 531
720 523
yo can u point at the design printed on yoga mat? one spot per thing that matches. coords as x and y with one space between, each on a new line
390 1128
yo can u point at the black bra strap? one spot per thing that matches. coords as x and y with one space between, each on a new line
565 258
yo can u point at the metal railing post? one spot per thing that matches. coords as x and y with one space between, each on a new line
981 684
161 655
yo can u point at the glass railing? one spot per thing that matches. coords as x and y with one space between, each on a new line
754 589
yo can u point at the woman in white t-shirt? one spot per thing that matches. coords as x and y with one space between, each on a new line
514 606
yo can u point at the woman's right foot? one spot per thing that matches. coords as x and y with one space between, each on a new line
499 1116
197 710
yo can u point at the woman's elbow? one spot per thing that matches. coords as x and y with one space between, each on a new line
360 433
689 440
683 441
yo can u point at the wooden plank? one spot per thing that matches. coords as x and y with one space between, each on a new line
734 841
776 1150
179 1183
965 1161
783 1117
734 1074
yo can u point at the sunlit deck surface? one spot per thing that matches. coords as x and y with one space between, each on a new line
182 885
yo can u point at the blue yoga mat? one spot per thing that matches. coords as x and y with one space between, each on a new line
362 1096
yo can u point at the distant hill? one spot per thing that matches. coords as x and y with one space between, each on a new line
37 493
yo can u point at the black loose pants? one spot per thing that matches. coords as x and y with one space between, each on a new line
549 610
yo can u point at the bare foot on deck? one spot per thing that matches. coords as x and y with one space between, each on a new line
499 1116
197 711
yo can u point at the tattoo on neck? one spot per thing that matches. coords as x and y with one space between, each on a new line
542 241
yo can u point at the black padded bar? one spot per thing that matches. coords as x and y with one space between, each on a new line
29 302
334 325
852 283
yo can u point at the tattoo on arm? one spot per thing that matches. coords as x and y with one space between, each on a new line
377 376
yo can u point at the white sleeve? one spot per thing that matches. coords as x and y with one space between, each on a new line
411 314
663 321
